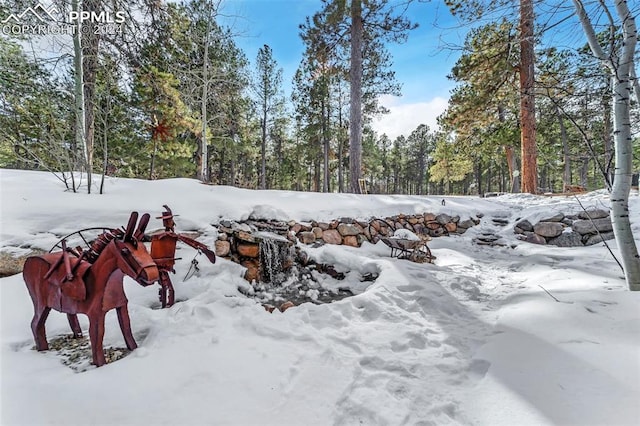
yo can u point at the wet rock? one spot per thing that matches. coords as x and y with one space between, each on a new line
548 229
567 239
451 227
253 269
248 250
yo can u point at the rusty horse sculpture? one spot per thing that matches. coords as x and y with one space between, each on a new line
90 283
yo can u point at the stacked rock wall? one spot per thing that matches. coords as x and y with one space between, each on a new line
584 229
239 242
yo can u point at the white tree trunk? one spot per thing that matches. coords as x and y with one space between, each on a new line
621 67
79 89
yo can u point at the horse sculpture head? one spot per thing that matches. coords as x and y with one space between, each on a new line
132 256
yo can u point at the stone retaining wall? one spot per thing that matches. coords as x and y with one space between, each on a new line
584 229
239 241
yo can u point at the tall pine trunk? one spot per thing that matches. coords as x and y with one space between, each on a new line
527 99
355 113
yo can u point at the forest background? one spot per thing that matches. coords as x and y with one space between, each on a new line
167 91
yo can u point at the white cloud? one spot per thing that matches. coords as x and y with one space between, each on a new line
405 117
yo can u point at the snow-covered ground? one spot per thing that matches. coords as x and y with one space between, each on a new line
471 339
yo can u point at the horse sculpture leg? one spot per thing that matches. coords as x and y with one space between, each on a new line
166 293
37 327
75 325
125 326
96 334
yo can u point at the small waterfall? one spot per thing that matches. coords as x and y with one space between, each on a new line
275 258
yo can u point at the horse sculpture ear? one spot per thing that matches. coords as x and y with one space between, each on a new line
128 233
142 226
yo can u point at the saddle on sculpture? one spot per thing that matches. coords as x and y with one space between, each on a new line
66 273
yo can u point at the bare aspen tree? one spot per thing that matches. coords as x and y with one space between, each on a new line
620 62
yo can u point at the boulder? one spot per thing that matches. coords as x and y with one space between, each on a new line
535 239
420 229
12 263
548 229
323 225
253 269
222 248
248 250
557 217
351 240
429 217
308 237
331 236
598 238
317 231
451 227
433 225
587 227
466 224
348 229
286 305
593 214
525 225
567 221
437 232
443 218
567 239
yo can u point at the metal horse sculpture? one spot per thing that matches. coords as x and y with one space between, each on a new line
90 283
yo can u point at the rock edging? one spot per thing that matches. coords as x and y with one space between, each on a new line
584 229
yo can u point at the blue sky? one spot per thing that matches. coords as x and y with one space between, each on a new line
421 64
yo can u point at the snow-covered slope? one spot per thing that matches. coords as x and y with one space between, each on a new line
472 339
